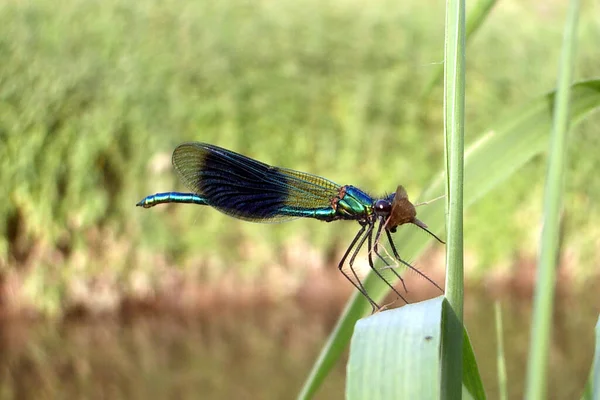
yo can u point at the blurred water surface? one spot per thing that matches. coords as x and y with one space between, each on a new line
264 353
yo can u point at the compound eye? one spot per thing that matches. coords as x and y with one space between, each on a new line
383 207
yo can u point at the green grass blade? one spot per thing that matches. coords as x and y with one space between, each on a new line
475 18
518 136
592 387
595 377
454 123
471 378
501 360
546 273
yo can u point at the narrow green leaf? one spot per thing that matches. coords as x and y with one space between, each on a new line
501 362
454 121
475 18
471 378
454 134
595 378
592 387
451 354
516 138
546 271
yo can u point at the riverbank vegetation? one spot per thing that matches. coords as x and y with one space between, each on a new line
95 97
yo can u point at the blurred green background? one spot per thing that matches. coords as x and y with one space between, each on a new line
95 95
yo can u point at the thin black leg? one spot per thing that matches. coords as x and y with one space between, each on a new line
359 286
397 256
376 249
376 243
370 255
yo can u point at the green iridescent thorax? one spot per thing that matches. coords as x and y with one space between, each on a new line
353 203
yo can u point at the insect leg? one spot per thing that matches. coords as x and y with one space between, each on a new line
389 236
369 246
359 286
376 249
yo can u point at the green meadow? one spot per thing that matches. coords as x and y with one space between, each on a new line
95 95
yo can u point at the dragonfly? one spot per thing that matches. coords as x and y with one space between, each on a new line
250 190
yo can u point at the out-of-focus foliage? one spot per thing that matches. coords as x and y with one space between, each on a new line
94 95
